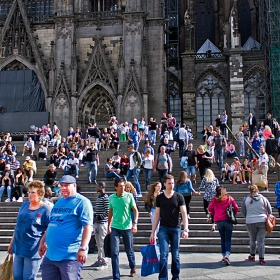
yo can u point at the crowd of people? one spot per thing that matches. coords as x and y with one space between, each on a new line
118 213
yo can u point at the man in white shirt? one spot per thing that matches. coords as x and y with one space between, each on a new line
72 166
28 146
263 164
183 139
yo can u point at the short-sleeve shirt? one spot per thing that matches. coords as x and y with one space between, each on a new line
31 226
170 209
121 207
64 234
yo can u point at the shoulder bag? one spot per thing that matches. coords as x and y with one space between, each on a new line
270 222
230 214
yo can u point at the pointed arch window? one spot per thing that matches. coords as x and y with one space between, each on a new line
205 22
210 101
245 21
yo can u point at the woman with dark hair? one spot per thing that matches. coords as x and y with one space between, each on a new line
203 160
217 208
185 188
150 201
256 208
20 185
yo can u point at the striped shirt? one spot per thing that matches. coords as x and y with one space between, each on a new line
102 208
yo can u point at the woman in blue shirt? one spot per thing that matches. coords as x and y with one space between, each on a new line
32 222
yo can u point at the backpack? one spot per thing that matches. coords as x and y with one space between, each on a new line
271 161
184 162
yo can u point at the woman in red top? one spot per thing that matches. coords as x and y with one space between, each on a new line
217 208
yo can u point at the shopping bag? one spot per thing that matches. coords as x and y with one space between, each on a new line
259 180
107 245
150 261
6 269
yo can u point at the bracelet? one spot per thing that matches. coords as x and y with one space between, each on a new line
186 230
134 223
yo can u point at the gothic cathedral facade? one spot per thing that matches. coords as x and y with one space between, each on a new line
99 58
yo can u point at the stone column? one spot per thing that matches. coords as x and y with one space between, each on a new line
188 90
236 114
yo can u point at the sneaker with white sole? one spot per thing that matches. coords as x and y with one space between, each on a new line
96 264
20 199
7 200
101 266
30 180
14 199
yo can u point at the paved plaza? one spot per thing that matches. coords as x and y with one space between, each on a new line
198 266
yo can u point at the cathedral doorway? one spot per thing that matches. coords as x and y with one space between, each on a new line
97 106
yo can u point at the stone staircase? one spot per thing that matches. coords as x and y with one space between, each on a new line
201 238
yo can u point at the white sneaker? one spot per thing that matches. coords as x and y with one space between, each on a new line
77 176
7 200
30 180
14 199
101 266
20 199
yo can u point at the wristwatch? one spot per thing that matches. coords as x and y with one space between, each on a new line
84 248
186 230
134 223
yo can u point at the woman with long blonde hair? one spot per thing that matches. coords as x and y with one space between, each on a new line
209 184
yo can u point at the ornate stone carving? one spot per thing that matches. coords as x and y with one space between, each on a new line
210 85
132 100
65 31
60 102
133 28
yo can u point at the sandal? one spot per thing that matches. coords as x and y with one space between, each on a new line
262 262
226 261
251 258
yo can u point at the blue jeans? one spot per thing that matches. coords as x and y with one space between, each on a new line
135 173
112 175
136 146
147 175
115 249
219 157
153 136
9 191
25 268
161 174
61 270
166 235
92 171
71 169
191 170
225 230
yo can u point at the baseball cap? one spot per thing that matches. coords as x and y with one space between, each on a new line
27 158
67 179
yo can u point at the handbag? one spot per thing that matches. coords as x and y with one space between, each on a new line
259 180
270 222
107 246
184 162
230 214
150 261
6 269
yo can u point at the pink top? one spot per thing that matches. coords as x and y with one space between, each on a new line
218 208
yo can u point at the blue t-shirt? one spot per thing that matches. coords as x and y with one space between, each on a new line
135 136
31 226
64 234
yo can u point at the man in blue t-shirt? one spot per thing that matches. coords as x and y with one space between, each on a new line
66 239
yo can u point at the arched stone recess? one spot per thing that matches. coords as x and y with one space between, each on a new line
96 106
210 99
255 93
13 58
132 105
61 106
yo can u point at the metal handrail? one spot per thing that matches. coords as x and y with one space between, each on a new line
247 142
